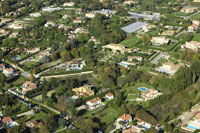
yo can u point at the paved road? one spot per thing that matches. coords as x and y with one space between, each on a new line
65 75
184 31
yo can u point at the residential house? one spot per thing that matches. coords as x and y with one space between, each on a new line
123 121
16 25
142 123
160 40
7 120
84 90
70 4
169 68
146 28
90 15
132 58
32 124
93 103
196 0
49 23
197 22
32 51
78 20
128 2
150 94
109 96
193 28
28 86
13 35
76 64
80 30
3 32
189 9
51 9
36 14
133 129
106 12
8 71
2 66
194 45
116 48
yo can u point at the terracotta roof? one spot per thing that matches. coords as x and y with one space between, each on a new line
6 119
9 69
75 61
131 130
95 100
109 95
125 117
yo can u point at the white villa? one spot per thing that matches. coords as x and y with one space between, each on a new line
160 40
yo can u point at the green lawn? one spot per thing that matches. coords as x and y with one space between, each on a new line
39 97
39 116
20 80
182 14
131 42
196 37
197 16
29 64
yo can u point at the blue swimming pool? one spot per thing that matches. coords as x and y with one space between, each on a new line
192 127
143 89
145 127
156 44
123 64
16 58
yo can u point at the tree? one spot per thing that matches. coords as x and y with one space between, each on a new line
32 78
34 70
65 56
54 56
145 39
51 122
3 79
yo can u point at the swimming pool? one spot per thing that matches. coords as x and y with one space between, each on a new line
123 64
192 127
143 88
156 44
16 58
145 127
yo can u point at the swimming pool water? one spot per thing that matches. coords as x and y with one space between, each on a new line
123 64
192 127
142 88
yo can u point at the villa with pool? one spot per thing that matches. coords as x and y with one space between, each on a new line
148 94
193 124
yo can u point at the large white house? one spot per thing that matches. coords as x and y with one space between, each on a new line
69 4
124 121
160 40
194 45
93 103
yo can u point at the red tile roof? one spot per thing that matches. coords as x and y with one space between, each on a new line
94 100
125 117
6 119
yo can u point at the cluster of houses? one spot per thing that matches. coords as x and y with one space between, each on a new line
169 68
8 71
193 124
124 122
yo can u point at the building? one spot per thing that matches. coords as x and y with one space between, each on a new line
168 33
196 0
2 66
51 9
133 129
134 27
8 71
160 40
143 124
32 51
80 30
84 91
16 25
36 14
93 103
90 15
49 23
197 22
78 20
189 9
116 48
194 45
28 86
193 28
106 12
146 28
7 120
70 4
32 124
137 58
123 121
129 2
109 96
169 68
150 94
